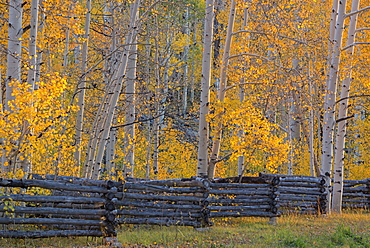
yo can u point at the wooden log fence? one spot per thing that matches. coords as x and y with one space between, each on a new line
60 206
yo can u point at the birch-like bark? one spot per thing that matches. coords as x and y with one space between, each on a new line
222 91
129 139
329 103
205 84
31 78
241 159
13 72
14 48
82 85
342 114
186 67
116 87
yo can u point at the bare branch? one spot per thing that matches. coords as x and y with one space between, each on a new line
357 12
354 44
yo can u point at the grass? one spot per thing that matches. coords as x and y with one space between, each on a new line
351 229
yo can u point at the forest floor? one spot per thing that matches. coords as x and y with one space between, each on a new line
351 229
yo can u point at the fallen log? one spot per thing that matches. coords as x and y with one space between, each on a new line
355 195
362 188
291 197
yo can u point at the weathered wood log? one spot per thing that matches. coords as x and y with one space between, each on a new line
50 185
51 198
186 182
253 191
298 184
73 205
239 208
354 205
158 188
306 191
298 204
246 197
294 178
239 185
77 180
161 222
47 211
243 214
244 202
291 197
162 197
51 233
155 205
353 195
362 188
363 200
349 183
257 180
157 213
51 221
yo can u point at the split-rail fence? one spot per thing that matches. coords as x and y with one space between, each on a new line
51 206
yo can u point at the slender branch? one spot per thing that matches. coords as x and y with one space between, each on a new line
344 119
270 34
138 121
354 44
354 96
362 29
357 12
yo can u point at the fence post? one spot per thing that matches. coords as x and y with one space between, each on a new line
110 223
323 203
274 200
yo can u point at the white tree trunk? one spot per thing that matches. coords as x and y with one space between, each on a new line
31 79
114 91
205 84
13 72
329 103
82 85
129 139
342 114
222 91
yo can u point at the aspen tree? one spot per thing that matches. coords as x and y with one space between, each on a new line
342 115
129 140
222 90
13 72
329 103
103 120
82 85
205 84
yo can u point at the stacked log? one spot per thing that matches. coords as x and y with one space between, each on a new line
356 193
301 194
244 197
180 202
73 213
